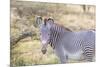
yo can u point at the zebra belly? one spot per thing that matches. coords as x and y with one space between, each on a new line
74 55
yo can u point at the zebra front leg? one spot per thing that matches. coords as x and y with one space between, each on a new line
60 53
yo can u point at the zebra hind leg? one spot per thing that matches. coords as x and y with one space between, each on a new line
88 54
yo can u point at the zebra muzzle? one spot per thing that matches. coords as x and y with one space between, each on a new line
43 51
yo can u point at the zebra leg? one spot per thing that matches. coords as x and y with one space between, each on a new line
60 53
88 55
89 47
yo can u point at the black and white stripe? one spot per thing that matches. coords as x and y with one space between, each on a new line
74 40
66 42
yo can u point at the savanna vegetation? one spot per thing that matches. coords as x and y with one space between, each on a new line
25 42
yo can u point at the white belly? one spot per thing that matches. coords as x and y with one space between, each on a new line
76 55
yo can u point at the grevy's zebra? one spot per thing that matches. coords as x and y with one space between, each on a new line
67 43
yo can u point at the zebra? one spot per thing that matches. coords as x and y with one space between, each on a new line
66 43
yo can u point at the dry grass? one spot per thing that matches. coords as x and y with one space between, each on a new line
77 22
29 53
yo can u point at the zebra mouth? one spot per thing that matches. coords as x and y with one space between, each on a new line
44 51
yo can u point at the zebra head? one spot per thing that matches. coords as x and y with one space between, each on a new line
45 33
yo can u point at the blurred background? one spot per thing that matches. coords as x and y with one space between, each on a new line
24 36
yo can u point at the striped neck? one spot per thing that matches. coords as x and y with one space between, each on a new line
56 34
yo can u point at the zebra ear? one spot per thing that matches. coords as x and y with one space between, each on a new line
38 21
51 20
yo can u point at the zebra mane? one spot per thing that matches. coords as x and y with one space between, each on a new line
45 20
66 28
